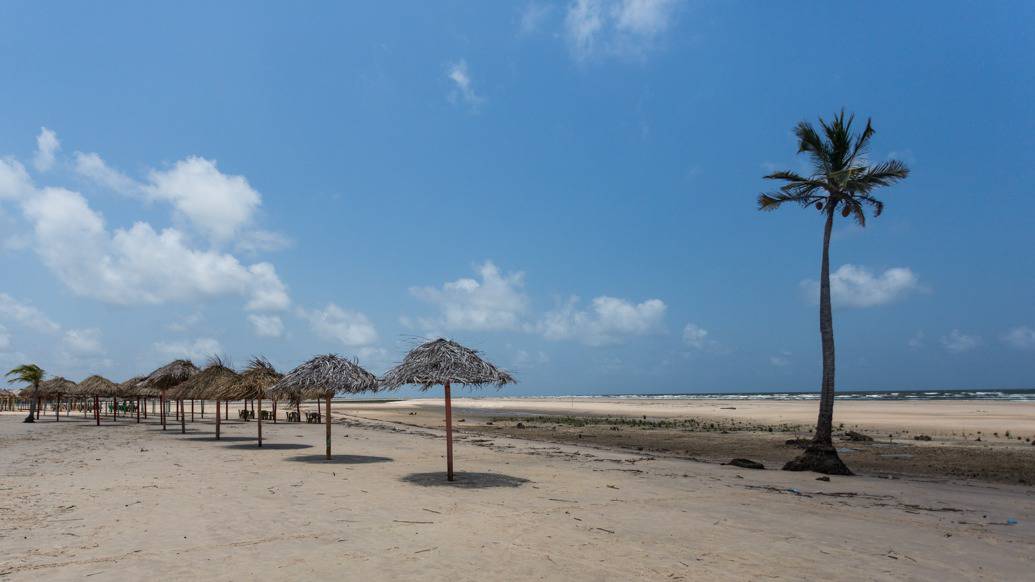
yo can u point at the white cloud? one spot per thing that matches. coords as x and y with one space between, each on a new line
855 286
622 28
138 265
83 342
186 323
695 336
958 342
26 315
1021 338
496 302
216 203
351 328
5 339
14 180
608 320
47 145
94 168
533 16
266 325
525 358
258 241
197 350
463 85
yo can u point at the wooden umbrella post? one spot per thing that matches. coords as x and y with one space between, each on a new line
449 435
298 409
192 410
138 410
57 411
183 419
202 408
97 409
217 419
328 426
274 412
161 406
258 418
226 410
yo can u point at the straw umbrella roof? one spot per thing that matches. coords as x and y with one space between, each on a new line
324 376
254 382
134 388
440 361
170 375
208 384
56 386
97 386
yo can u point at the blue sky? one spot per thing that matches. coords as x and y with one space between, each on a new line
569 186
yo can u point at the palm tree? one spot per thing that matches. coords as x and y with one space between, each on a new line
30 374
841 181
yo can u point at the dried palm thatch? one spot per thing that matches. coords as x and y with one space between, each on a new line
52 388
170 375
254 382
440 361
208 384
133 388
324 376
98 386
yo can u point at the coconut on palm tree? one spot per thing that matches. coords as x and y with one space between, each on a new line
841 181
33 375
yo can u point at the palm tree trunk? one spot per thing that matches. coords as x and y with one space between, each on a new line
821 456
33 403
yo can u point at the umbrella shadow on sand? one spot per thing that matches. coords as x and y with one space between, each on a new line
339 459
270 446
221 439
464 480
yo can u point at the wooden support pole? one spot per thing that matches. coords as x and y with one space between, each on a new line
274 412
161 406
328 425
183 419
115 409
192 410
217 418
258 418
57 410
97 409
138 410
202 408
449 435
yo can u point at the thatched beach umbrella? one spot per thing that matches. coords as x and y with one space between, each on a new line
97 386
323 377
209 383
132 389
445 362
254 383
55 388
168 376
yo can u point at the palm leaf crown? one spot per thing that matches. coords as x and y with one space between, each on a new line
841 178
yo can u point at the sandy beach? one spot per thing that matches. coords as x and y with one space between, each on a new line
125 501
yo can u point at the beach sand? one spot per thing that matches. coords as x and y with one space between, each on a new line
128 502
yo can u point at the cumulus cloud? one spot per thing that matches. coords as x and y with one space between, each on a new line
496 301
92 167
695 336
216 203
258 241
47 145
351 328
855 286
462 84
607 321
959 342
622 28
1021 338
26 315
266 325
14 180
196 350
5 339
83 342
139 265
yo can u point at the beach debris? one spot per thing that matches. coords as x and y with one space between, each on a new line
857 437
921 437
519 425
746 464
823 478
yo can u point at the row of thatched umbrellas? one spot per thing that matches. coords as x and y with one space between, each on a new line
436 363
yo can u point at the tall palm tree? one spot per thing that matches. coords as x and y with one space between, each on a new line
29 374
842 182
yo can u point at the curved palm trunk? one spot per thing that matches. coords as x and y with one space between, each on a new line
820 455
33 403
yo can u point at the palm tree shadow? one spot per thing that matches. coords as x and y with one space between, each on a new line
270 446
340 459
464 480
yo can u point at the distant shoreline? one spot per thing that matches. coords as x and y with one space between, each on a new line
1014 395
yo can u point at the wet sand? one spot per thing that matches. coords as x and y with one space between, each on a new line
127 502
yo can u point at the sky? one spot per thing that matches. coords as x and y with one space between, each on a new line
569 187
